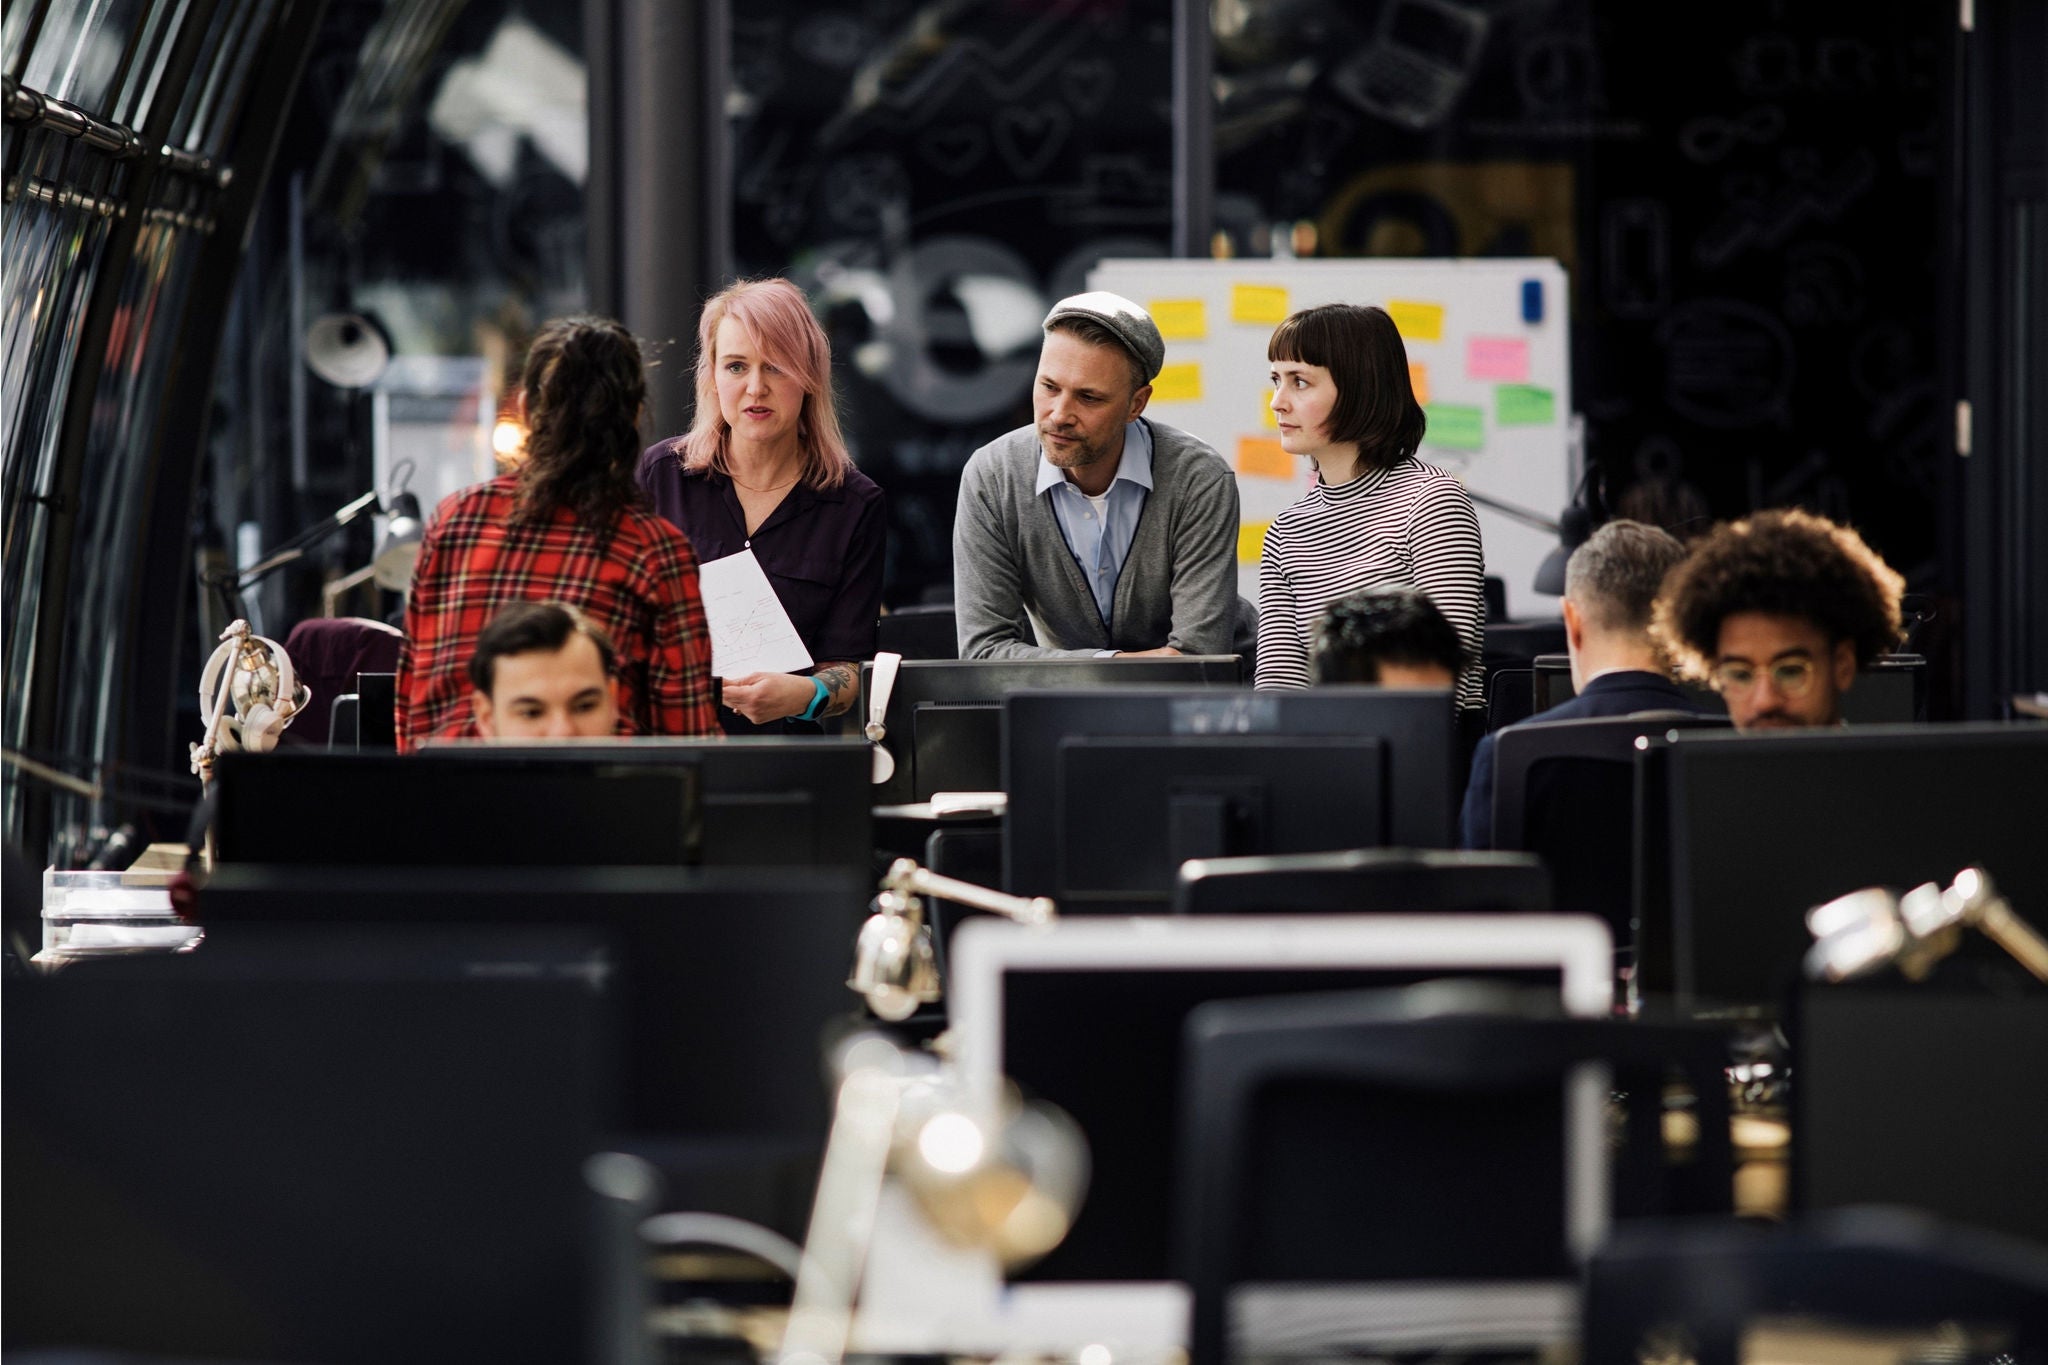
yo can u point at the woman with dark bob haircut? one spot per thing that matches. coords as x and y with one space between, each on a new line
1376 514
569 526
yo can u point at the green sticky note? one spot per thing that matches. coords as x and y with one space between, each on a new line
1453 426
1523 405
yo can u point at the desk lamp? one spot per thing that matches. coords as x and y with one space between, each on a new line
1012 1184
894 965
397 549
1857 934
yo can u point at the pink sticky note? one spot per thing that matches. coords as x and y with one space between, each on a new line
1505 359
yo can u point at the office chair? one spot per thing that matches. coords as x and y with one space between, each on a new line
1372 1135
1870 1268
1364 881
923 630
1565 790
1510 697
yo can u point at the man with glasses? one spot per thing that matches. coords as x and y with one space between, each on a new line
1777 612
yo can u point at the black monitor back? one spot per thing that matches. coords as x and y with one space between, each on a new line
764 800
729 976
945 719
1412 729
1371 881
441 809
1132 809
366 1152
1763 827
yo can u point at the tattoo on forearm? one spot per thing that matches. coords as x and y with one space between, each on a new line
842 682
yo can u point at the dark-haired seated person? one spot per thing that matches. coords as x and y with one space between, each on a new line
1390 636
1777 612
543 670
1610 585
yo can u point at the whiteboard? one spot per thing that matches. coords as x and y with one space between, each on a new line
1489 347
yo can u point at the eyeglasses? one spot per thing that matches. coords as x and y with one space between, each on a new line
1791 677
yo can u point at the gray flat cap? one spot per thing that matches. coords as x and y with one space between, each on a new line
1133 325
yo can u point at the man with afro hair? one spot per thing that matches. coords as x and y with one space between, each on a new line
1777 612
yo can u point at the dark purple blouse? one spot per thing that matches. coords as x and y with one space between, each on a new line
821 548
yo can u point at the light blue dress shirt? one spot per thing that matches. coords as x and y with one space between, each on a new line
1100 544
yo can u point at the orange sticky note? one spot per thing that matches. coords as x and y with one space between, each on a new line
1418 380
1417 321
1180 319
1180 383
1260 303
1251 540
1263 459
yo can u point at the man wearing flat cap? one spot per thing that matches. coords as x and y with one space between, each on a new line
1096 531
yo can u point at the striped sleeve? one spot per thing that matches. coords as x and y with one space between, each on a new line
1443 545
1283 637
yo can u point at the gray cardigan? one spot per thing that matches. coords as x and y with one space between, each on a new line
1018 594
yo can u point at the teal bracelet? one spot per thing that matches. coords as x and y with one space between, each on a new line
818 702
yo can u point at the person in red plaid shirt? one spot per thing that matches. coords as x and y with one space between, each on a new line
569 525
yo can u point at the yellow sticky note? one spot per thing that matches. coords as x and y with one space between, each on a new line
1251 540
1266 417
1261 303
1418 380
1180 319
1417 321
1180 383
1263 459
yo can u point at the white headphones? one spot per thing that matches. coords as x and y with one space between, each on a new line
261 711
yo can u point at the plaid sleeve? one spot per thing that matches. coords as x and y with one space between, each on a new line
415 721
679 673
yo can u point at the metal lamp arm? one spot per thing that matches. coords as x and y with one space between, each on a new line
908 880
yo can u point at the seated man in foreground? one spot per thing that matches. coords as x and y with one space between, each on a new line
1610 585
1391 636
1778 611
543 670
1095 531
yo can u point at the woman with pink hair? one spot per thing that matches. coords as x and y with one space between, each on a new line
764 469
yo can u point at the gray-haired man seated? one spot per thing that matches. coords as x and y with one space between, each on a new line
1097 531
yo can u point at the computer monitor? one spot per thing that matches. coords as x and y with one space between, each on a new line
377 711
365 1148
944 720
334 808
765 800
1323 769
1760 828
1088 1014
728 975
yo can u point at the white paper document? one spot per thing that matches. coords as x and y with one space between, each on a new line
750 632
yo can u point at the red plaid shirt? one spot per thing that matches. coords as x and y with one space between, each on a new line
641 588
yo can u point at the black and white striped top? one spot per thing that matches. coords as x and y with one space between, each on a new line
1409 524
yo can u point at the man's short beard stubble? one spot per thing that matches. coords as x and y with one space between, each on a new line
1078 456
